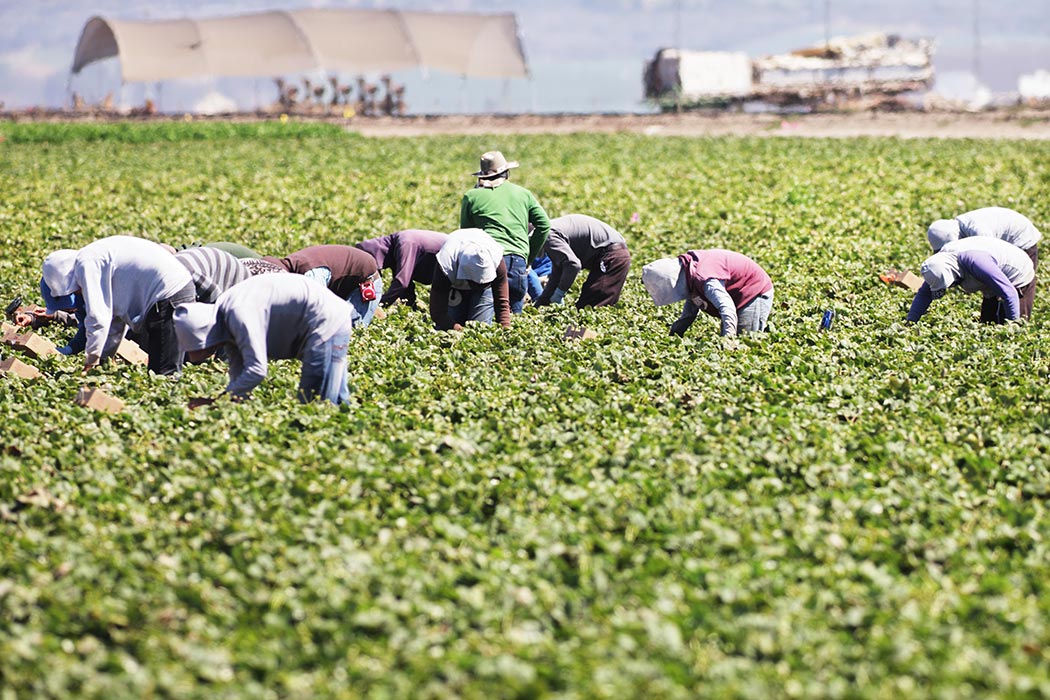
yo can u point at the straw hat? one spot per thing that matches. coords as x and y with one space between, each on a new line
494 164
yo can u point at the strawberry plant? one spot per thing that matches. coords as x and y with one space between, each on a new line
508 514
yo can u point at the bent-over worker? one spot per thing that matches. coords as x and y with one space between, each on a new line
125 282
470 282
351 273
411 255
722 283
1003 274
576 242
272 317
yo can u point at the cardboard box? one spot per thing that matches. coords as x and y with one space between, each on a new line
902 278
98 400
36 345
573 333
13 365
10 336
130 352
7 328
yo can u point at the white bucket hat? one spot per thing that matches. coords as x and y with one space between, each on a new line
197 327
59 272
942 232
470 255
940 271
664 279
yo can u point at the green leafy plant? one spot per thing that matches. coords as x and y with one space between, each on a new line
508 514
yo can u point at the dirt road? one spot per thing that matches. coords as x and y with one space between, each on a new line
1013 123
1021 124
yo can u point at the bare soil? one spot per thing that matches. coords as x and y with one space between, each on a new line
1019 124
1013 123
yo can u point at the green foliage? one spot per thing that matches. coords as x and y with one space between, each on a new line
152 131
506 514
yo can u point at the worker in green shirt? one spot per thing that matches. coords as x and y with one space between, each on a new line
504 211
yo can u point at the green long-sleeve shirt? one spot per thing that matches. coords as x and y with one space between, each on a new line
505 213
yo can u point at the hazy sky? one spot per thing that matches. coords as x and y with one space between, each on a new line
599 44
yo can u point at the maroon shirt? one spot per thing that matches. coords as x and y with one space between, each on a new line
349 266
742 276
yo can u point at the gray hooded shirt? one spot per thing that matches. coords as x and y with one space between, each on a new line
993 222
266 317
119 278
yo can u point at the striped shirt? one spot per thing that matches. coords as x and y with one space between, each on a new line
213 271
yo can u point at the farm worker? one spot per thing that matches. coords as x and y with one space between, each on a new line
1000 271
995 222
576 242
125 282
470 282
275 317
410 254
351 273
724 284
504 211
213 271
235 249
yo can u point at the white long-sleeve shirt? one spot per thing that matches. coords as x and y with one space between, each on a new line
999 222
275 317
120 278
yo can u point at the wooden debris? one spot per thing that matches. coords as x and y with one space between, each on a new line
98 400
573 333
902 278
130 352
13 365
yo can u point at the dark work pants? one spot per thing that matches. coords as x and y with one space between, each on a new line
158 332
605 279
1028 293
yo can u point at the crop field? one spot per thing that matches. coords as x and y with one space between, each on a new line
860 513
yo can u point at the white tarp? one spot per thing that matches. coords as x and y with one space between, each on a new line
296 41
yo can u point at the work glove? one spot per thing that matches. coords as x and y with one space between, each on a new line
680 326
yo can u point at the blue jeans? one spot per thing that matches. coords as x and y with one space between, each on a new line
361 311
517 282
471 305
324 370
754 315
